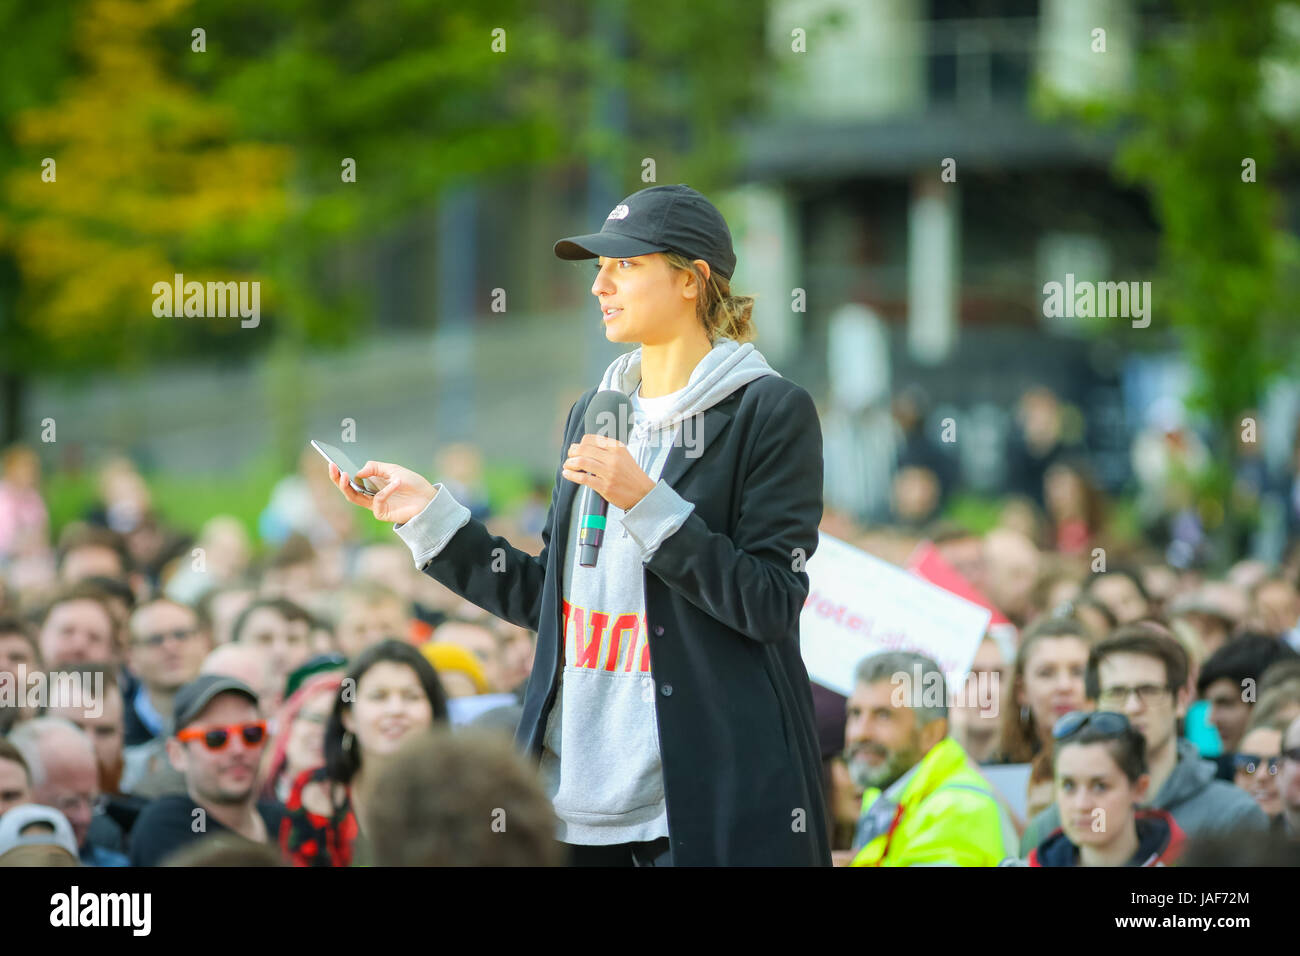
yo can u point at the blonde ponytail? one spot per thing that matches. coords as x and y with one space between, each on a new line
721 313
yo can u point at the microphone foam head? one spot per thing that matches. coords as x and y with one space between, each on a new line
609 414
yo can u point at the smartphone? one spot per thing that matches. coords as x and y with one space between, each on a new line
345 464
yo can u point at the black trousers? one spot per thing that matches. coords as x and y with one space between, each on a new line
652 853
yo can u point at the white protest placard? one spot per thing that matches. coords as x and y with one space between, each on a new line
859 605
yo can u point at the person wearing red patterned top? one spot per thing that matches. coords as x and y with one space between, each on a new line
299 745
388 692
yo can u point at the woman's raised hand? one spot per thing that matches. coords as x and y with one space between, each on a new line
403 496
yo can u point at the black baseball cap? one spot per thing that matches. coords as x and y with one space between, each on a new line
659 219
192 698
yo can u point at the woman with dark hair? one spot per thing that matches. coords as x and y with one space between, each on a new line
1076 509
388 692
1100 770
1047 682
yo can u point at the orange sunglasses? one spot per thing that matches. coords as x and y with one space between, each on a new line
216 738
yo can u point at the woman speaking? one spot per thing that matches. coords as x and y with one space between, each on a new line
668 707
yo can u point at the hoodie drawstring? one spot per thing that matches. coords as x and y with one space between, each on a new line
640 435
729 366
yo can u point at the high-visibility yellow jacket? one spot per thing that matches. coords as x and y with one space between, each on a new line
946 814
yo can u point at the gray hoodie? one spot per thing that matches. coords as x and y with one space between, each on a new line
1201 805
600 759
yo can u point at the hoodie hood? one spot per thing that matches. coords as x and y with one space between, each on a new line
1160 839
730 365
1191 774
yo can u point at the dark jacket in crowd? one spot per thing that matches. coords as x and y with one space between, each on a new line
741 762
172 823
104 845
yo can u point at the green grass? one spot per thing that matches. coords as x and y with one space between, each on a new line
976 512
185 502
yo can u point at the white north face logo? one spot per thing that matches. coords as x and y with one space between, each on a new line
620 212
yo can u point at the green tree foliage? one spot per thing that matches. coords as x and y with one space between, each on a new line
1198 111
227 162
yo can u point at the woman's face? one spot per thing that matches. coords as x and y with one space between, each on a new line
1096 799
1260 744
651 298
1053 679
1064 493
390 704
1121 595
306 746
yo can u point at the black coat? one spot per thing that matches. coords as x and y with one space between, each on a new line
741 763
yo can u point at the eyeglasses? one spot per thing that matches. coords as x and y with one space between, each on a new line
69 803
1146 693
1105 721
216 738
157 640
1292 754
1249 763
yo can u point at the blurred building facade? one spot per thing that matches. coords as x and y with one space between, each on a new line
898 187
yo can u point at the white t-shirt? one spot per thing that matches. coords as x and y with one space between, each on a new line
653 408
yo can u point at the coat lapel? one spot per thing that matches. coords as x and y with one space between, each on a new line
702 429
563 508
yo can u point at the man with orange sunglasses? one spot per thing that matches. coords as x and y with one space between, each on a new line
217 745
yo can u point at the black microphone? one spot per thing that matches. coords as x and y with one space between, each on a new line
608 414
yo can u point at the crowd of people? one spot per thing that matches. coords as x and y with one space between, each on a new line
170 699
307 697
1156 710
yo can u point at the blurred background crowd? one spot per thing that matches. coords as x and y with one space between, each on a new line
294 610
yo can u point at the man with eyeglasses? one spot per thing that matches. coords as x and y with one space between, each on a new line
1288 779
65 776
217 745
1141 672
166 647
